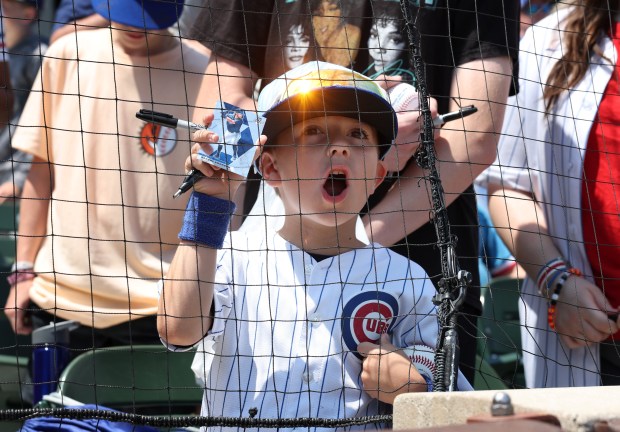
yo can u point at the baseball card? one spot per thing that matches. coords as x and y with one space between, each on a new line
238 132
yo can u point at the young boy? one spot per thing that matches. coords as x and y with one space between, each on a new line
303 322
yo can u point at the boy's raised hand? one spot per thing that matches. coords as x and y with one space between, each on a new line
387 371
217 182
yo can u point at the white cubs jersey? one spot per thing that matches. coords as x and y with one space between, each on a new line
286 328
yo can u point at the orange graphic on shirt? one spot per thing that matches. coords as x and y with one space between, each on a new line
157 140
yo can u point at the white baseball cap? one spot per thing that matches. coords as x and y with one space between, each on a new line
317 89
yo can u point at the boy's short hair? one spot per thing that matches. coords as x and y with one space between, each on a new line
318 89
142 14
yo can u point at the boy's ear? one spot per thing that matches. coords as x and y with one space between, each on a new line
269 169
380 173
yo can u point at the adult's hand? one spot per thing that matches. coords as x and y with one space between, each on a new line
16 308
581 314
409 123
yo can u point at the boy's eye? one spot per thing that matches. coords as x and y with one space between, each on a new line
359 134
312 130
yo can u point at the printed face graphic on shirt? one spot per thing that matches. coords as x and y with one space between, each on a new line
337 38
366 317
296 46
157 140
385 44
327 17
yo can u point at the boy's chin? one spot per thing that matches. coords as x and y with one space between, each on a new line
337 218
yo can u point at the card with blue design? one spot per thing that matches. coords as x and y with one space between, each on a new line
238 131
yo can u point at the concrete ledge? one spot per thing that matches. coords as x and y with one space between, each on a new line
577 409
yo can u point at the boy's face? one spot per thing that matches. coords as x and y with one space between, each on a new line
138 42
325 168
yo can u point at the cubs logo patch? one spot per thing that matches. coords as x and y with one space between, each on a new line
157 140
366 317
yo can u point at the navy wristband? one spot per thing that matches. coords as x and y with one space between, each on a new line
206 220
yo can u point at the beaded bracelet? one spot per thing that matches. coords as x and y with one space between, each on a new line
553 300
548 274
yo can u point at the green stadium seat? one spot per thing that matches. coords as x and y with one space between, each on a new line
144 379
13 373
9 212
500 330
486 377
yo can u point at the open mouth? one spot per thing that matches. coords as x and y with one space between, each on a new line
336 183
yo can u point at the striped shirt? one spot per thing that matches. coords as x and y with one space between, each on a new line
544 155
286 327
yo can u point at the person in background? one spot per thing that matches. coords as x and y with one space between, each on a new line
6 93
469 50
75 15
553 195
25 47
97 221
533 11
495 259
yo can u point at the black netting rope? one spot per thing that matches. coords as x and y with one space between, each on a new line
189 421
454 282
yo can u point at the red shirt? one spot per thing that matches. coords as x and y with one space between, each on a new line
600 199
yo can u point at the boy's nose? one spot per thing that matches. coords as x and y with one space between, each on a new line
338 148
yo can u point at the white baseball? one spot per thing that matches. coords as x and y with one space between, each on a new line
423 357
404 97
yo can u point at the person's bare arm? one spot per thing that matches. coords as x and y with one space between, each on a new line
581 317
32 230
184 316
6 95
184 311
225 80
234 83
464 149
91 22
